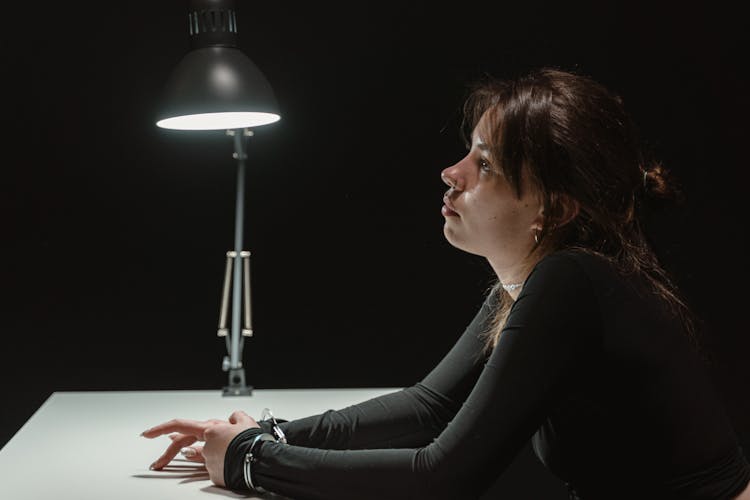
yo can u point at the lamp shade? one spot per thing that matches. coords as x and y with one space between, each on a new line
215 85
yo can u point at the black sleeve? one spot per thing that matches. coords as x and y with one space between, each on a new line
410 417
548 333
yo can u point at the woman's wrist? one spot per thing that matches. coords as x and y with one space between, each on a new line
234 459
266 426
237 468
251 457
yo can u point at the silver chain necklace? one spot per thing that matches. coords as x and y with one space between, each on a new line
512 286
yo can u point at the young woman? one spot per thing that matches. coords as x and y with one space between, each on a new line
583 345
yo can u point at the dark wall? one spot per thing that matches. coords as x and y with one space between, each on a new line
114 231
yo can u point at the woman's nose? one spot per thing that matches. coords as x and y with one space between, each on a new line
450 177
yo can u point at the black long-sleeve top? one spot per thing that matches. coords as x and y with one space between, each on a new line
589 366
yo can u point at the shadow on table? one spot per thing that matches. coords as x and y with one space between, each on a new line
188 473
191 472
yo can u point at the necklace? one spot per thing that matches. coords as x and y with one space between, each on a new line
512 286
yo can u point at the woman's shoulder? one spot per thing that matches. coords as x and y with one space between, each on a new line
561 266
572 257
574 264
605 276
586 260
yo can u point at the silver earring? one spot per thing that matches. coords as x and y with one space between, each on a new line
536 236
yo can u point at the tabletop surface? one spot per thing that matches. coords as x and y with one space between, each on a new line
87 445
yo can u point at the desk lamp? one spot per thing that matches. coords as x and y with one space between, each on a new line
216 87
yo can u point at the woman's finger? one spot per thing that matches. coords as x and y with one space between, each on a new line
193 453
179 441
240 417
181 425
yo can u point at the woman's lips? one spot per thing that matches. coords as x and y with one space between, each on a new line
447 212
448 209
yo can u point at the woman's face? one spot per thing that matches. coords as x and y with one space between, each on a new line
489 220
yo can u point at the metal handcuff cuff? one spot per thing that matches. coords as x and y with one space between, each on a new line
265 436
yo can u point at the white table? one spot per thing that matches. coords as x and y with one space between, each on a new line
87 445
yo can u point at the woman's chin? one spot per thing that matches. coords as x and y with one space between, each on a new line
454 240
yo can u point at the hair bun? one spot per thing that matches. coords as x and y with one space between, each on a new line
658 183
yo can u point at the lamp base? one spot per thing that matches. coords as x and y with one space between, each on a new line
237 385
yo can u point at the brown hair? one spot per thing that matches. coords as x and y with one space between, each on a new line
576 140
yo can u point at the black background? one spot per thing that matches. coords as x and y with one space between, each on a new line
114 230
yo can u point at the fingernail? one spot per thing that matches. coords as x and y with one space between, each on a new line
151 467
188 452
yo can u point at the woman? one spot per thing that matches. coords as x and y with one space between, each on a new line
582 345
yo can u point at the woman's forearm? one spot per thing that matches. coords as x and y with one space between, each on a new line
410 417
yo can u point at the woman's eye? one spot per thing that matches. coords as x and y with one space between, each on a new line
485 165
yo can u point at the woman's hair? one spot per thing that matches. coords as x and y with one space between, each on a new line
577 141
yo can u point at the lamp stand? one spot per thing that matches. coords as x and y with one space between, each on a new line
237 262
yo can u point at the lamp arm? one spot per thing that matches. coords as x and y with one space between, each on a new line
240 154
236 370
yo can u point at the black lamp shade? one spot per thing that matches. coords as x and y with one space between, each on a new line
215 85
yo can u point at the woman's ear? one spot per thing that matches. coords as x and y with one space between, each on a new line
569 208
564 208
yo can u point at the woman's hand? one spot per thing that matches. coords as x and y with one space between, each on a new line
217 434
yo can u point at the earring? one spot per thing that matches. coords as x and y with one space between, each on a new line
536 236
